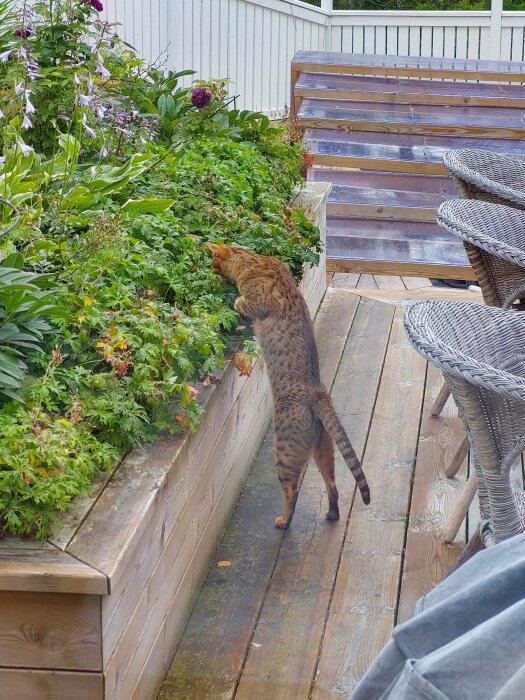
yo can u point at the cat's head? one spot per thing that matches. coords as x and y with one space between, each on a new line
227 260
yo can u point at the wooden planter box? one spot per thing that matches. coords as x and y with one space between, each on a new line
95 612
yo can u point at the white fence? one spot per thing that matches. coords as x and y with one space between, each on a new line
252 42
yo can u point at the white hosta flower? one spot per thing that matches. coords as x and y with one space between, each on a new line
2 115
19 88
30 107
77 79
103 152
26 150
100 111
4 56
84 100
101 68
26 124
2 160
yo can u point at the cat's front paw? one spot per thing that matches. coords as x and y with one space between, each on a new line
281 523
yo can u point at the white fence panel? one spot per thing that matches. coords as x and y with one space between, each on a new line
252 42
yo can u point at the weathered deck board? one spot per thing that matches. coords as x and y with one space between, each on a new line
420 91
365 595
434 496
302 615
210 657
296 605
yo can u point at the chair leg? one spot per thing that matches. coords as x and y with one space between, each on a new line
461 510
458 458
505 516
441 400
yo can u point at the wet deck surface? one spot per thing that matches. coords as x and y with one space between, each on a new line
302 614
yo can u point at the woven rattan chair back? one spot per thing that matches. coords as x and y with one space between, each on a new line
481 352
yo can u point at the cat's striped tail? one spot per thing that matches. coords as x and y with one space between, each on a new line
326 413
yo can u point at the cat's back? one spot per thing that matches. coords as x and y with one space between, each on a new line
288 335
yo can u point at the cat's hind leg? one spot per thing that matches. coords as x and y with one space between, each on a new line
324 458
292 453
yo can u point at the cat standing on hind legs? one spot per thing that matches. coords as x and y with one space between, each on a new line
305 419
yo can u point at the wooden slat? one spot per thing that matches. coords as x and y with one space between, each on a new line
383 203
409 296
344 281
210 655
30 684
429 258
420 119
365 594
390 282
397 90
415 282
367 263
432 185
380 230
366 282
49 570
407 66
397 152
50 630
428 559
281 660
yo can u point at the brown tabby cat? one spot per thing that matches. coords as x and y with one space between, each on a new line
305 420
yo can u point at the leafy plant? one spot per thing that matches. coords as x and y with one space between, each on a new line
25 300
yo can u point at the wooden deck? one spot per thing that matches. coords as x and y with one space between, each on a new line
377 127
302 614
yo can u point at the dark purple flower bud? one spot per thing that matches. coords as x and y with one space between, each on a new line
24 32
201 97
97 5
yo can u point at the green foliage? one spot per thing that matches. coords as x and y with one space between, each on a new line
25 300
110 315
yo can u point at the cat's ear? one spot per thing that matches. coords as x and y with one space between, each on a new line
219 251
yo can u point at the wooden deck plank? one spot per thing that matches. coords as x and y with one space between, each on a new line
404 119
427 257
211 653
407 153
420 91
428 559
365 595
398 182
406 66
366 282
390 282
378 229
415 282
409 296
281 660
344 280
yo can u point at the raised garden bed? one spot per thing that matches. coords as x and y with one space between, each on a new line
94 613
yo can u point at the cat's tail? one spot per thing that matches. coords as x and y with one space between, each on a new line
326 413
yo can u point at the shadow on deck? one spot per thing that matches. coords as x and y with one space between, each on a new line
302 614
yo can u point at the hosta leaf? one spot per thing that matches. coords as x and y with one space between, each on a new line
147 206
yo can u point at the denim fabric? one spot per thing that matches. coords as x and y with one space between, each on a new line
467 639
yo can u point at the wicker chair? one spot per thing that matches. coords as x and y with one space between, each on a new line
487 176
481 352
494 237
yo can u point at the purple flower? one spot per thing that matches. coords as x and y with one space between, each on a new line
30 108
84 100
101 68
90 132
201 97
25 32
97 5
26 123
